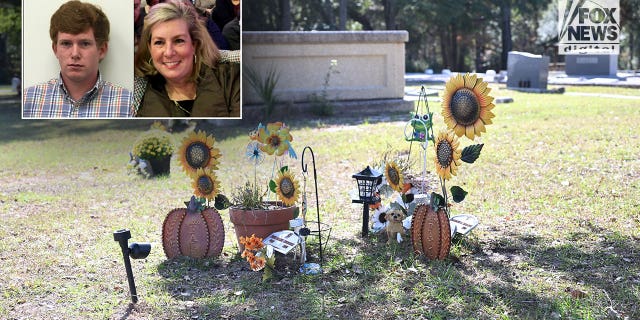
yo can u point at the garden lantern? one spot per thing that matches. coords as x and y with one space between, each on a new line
367 179
136 251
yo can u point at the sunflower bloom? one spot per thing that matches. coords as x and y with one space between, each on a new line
447 157
197 152
466 105
275 138
205 184
287 188
394 176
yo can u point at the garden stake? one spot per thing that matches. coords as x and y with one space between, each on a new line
136 251
422 131
367 181
315 180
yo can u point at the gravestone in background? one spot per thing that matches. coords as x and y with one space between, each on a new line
526 70
591 64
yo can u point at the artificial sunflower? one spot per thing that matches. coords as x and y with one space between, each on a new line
466 105
275 138
394 176
287 188
205 184
447 157
197 152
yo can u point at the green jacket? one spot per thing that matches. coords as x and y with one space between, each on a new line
218 95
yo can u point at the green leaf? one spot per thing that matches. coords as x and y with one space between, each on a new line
458 193
408 197
471 153
296 212
272 186
437 201
221 202
284 169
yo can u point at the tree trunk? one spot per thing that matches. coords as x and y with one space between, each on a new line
632 47
285 15
389 14
328 14
5 63
478 51
443 51
505 26
343 15
456 49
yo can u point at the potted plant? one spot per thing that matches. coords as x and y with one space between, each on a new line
466 109
196 231
154 146
250 213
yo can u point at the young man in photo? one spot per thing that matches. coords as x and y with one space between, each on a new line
80 40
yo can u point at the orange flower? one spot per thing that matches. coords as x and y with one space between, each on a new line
246 254
258 263
253 252
252 243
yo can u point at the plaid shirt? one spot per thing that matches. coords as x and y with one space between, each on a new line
51 100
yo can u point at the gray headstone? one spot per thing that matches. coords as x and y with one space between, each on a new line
526 70
591 65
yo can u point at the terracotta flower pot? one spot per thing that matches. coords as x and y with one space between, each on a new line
431 232
192 233
262 223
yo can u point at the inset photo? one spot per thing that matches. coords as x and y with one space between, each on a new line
78 59
187 62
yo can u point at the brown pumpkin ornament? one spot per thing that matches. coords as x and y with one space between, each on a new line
194 231
431 232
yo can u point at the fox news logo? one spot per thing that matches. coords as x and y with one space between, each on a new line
589 26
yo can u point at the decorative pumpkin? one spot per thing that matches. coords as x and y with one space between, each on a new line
431 232
194 231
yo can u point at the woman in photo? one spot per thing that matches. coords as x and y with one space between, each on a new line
179 66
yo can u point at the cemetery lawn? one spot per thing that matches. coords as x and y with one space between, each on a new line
556 190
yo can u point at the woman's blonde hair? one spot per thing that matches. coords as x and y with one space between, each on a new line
205 50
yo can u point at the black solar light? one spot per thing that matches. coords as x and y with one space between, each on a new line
134 250
367 179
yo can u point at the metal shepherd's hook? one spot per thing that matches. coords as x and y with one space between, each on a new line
315 180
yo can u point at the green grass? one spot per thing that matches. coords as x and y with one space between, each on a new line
556 191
